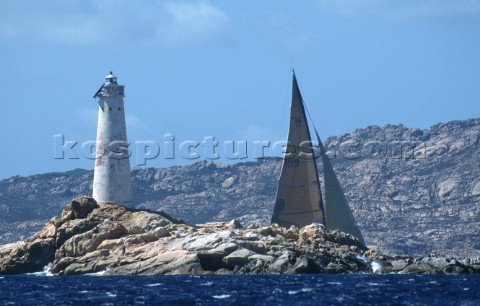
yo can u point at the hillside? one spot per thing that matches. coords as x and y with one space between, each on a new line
412 191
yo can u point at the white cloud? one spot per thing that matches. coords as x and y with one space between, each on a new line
88 116
108 22
254 132
81 31
136 125
405 9
192 22
286 32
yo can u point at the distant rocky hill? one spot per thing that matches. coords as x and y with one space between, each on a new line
412 191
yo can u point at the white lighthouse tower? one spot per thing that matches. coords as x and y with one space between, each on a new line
111 180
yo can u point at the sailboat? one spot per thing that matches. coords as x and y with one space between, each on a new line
299 196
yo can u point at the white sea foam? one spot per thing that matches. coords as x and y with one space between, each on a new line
299 291
100 273
154 285
45 272
376 266
334 283
362 258
110 294
206 284
277 290
222 296
340 299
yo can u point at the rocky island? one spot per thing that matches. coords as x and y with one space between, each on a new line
108 239
416 206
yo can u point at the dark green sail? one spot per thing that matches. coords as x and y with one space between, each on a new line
299 199
339 214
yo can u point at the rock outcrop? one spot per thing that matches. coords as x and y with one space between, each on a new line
110 239
412 191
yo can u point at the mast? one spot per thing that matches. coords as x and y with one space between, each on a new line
299 199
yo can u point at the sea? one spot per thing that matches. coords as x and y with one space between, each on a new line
320 289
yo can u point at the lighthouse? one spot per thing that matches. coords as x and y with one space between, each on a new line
111 179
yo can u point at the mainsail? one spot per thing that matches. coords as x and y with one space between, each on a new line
299 198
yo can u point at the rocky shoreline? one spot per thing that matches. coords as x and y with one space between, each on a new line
113 240
403 205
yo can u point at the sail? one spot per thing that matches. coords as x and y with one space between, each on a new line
339 214
299 200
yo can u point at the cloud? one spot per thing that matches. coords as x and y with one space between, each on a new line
254 132
136 125
405 9
108 22
67 21
88 116
192 22
286 32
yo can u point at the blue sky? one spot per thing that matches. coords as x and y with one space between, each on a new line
196 69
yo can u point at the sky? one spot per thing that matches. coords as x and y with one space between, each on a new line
198 71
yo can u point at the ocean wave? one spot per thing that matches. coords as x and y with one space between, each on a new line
249 290
100 273
362 258
376 266
45 272
299 291
334 283
222 296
